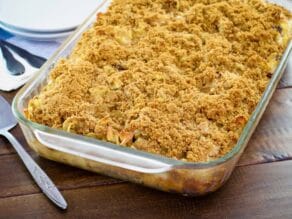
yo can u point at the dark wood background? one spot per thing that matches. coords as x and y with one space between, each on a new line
260 187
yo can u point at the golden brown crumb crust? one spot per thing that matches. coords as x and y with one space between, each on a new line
176 78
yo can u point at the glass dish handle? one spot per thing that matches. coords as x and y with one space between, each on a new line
101 153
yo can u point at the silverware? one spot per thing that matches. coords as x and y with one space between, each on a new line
7 122
33 60
13 66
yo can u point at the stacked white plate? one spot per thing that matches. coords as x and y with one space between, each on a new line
44 19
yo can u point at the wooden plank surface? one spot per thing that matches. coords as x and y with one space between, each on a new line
272 140
19 182
259 188
252 192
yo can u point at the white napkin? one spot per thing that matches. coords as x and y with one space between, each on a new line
9 82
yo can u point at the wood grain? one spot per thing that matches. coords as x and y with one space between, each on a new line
272 140
252 192
15 179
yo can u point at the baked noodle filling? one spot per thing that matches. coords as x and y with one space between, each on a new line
175 78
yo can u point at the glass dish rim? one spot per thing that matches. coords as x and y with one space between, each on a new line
244 136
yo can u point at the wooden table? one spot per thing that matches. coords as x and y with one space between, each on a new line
261 185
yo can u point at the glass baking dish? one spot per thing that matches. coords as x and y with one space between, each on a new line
152 170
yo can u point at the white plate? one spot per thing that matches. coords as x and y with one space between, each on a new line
45 15
36 36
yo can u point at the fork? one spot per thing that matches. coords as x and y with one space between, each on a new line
7 122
